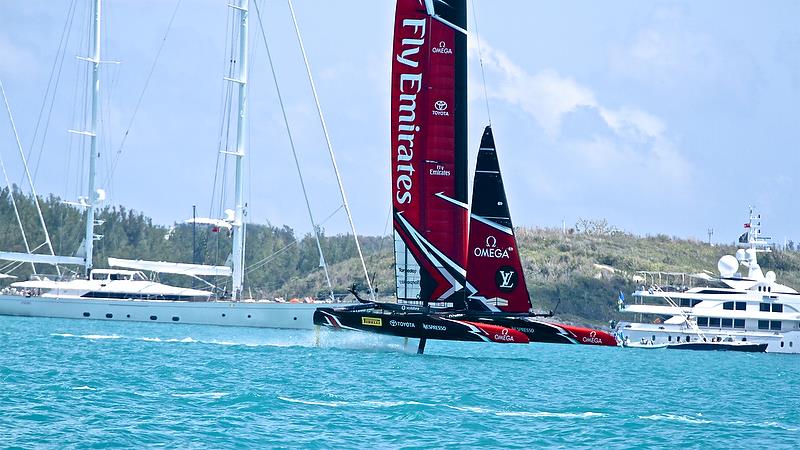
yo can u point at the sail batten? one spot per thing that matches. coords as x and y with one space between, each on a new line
429 153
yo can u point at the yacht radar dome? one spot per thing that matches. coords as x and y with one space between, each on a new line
727 266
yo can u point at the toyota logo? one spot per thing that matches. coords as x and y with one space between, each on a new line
441 105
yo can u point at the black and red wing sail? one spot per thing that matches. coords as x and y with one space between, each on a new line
429 151
495 278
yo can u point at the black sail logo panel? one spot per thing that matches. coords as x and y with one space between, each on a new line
489 195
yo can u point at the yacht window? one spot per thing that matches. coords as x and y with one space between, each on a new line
685 302
738 323
695 302
741 306
139 276
769 289
775 325
99 276
728 306
764 307
678 338
713 322
702 321
777 307
781 344
669 338
763 324
727 323
688 339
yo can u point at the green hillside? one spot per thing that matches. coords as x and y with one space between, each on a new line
580 271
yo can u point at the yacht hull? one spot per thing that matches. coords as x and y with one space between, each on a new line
782 342
261 314
720 346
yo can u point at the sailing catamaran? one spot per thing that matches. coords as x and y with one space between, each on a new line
451 284
124 293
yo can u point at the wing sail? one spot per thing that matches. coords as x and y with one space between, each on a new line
428 151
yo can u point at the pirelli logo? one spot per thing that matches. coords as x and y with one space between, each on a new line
372 321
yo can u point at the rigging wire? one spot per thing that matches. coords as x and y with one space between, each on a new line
330 149
14 205
480 58
144 89
294 151
58 61
380 246
269 258
28 174
223 112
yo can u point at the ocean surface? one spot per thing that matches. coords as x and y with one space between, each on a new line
87 384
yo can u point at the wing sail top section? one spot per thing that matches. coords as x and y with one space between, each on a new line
494 271
428 151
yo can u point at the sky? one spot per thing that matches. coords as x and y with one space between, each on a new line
665 117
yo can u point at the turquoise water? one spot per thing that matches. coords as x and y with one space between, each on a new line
76 384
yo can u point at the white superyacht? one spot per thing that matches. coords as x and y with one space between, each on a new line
676 308
123 292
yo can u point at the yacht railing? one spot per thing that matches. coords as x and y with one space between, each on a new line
686 319
672 281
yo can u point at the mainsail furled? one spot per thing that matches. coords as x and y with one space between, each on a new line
495 279
429 151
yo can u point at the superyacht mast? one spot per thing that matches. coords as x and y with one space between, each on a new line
241 134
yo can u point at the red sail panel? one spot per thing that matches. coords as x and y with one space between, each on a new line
428 154
494 271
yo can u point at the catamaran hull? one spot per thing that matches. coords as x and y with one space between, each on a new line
459 327
417 326
552 332
225 313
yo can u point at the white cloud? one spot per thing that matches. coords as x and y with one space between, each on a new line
624 143
546 95
666 52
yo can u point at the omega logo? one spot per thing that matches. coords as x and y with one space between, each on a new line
442 49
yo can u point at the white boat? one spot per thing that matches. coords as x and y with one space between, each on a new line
121 294
676 308
643 343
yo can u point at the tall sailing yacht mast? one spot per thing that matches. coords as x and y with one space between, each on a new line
92 196
241 135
